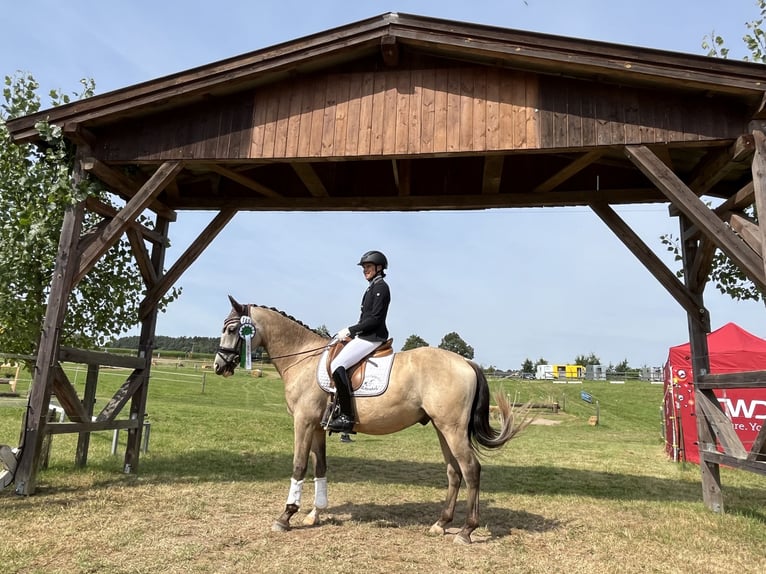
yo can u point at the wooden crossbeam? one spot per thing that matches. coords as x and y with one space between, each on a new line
243 180
743 380
124 185
718 163
310 179
67 396
653 263
107 211
158 290
117 226
573 168
492 175
142 257
696 210
402 175
721 424
122 396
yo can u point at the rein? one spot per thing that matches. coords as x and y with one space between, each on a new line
234 352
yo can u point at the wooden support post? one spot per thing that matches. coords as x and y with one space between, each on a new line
145 350
35 419
711 474
88 401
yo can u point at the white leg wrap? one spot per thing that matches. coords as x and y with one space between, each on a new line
320 492
296 490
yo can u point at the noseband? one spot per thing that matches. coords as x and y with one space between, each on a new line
231 355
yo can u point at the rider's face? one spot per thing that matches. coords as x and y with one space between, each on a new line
369 270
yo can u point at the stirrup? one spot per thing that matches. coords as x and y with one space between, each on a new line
341 424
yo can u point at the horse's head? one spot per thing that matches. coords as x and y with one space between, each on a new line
230 346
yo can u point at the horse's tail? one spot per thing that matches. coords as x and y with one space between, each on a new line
480 430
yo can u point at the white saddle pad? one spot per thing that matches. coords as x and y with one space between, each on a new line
376 376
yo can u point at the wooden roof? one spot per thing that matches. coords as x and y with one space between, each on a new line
402 112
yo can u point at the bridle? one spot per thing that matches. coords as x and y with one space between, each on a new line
231 355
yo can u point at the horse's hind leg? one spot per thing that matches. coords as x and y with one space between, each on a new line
461 462
454 478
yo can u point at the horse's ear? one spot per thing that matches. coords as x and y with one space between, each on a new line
239 308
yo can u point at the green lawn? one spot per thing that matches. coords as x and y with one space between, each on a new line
564 496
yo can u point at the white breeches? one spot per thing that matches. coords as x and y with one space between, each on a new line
354 351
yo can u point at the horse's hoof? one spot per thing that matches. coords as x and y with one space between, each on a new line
279 527
436 530
311 519
462 539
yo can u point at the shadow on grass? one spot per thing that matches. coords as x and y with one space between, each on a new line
499 521
223 466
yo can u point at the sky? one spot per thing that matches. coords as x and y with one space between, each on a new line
517 284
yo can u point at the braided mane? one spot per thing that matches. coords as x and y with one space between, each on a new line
286 316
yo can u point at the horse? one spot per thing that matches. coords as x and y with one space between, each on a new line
426 384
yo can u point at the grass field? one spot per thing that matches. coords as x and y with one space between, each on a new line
563 497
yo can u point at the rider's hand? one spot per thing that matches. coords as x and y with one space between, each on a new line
343 334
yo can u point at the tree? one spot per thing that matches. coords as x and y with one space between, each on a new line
541 361
527 366
725 275
36 187
453 342
323 330
413 342
591 359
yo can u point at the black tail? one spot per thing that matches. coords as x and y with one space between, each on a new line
483 436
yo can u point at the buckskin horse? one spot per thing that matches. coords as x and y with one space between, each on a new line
426 384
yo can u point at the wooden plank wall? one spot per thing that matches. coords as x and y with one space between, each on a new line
401 112
432 112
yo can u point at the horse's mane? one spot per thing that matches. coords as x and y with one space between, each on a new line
286 316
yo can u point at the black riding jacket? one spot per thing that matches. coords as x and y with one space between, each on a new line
372 321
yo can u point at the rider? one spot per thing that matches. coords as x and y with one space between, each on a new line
366 336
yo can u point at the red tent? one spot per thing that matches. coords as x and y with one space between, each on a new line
732 350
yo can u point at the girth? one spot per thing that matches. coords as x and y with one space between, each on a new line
356 372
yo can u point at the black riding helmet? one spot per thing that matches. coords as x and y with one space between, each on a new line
374 257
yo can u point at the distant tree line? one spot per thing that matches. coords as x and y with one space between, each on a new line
188 345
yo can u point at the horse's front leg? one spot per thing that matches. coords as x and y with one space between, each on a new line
303 432
319 458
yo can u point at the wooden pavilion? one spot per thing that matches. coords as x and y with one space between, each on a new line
404 113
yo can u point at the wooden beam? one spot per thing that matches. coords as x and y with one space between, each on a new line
565 173
696 210
35 417
759 190
69 354
67 396
105 210
310 179
135 206
721 424
743 380
702 264
243 180
141 255
719 162
653 263
123 185
158 290
758 449
493 174
122 396
746 228
431 202
402 175
389 49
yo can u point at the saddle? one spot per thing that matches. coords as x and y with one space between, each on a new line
356 372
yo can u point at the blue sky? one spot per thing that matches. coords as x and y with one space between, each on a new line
515 284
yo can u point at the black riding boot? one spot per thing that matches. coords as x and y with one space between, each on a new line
344 422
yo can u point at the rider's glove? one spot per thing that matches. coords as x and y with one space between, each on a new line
343 334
